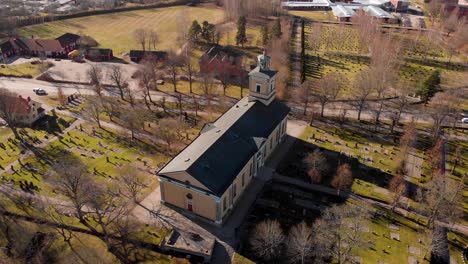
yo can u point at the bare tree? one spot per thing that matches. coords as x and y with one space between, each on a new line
152 39
328 88
362 89
208 88
188 67
140 36
441 199
173 65
384 68
168 130
408 138
457 158
402 101
93 110
129 96
267 239
95 75
343 178
300 243
223 75
443 104
61 97
110 107
367 28
398 186
134 120
434 10
303 95
147 79
316 165
434 157
133 182
314 37
118 79
339 231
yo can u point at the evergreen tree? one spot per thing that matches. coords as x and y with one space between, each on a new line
208 32
265 37
276 29
194 31
241 37
429 87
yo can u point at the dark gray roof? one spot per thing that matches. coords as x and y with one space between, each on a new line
68 38
257 71
223 148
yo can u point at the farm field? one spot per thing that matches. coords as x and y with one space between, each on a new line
349 57
115 31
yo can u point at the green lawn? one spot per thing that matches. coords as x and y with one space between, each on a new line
21 69
115 31
377 232
93 150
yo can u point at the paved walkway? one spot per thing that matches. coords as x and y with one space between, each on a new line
297 54
414 164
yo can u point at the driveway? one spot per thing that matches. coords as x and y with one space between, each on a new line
77 72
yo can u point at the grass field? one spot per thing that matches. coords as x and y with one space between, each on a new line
115 31
20 69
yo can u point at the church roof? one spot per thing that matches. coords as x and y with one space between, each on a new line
224 147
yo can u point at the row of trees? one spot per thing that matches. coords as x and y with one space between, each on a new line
334 235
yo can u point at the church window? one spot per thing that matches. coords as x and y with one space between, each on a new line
259 86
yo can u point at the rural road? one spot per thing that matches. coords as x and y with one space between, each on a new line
25 87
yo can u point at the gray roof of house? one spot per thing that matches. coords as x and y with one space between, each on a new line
262 73
224 147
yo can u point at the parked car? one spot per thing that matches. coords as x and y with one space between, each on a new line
465 120
39 91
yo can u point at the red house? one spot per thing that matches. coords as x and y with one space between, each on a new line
69 41
219 60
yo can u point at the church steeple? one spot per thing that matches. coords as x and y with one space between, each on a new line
262 81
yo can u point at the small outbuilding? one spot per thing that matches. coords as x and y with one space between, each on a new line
96 54
138 55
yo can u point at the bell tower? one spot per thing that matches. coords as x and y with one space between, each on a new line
262 81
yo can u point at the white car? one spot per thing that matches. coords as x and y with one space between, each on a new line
39 91
465 120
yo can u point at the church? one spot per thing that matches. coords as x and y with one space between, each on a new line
209 176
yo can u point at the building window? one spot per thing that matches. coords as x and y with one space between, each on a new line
224 203
234 190
251 169
243 179
258 88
